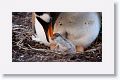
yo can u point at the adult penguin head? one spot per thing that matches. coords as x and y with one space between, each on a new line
45 20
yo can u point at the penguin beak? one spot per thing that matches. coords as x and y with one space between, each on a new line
50 30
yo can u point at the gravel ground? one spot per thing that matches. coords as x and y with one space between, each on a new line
24 49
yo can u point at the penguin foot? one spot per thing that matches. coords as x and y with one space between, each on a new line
52 45
79 49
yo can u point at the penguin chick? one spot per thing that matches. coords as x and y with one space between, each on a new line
62 44
82 28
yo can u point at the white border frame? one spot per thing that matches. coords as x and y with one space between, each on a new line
104 67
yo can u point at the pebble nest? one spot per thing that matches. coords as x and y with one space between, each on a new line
24 49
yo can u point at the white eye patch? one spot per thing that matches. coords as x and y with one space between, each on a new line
45 17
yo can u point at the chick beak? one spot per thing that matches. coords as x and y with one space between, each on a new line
50 30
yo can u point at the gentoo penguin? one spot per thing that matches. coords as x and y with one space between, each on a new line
81 28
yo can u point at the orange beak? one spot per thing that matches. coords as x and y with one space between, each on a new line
50 30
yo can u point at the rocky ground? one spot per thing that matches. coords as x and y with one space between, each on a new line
24 49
